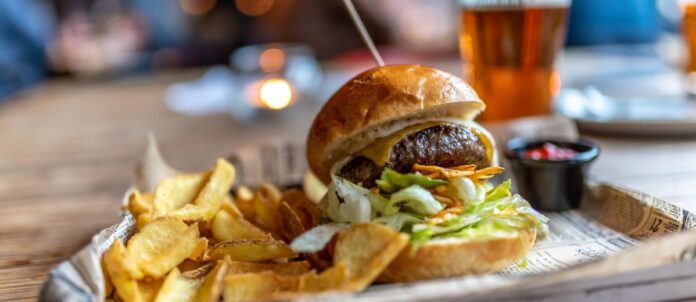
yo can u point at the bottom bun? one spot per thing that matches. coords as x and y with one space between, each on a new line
448 258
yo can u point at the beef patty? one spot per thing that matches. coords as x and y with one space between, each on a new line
444 145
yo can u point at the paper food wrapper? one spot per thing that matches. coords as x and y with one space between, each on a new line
619 244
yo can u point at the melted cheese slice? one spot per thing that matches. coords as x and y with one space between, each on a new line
378 151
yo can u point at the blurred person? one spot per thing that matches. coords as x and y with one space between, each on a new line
595 22
103 38
25 28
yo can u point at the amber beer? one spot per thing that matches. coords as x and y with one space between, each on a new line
689 31
509 48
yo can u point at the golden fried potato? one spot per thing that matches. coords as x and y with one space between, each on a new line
244 194
143 219
289 268
267 215
140 203
213 284
227 227
176 192
162 244
272 286
229 206
366 250
253 250
210 198
314 188
291 226
195 269
108 286
331 279
306 210
201 247
123 272
260 286
176 288
270 192
149 288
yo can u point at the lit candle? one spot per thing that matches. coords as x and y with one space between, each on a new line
271 93
275 93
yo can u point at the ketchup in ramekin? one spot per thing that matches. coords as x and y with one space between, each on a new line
551 174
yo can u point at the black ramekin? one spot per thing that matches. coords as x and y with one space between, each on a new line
551 185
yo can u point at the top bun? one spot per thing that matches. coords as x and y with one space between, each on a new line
380 101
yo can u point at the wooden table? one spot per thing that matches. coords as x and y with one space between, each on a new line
67 151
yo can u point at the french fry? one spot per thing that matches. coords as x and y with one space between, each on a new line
229 206
201 247
244 193
144 219
161 245
305 209
108 286
270 192
177 288
176 192
267 216
227 227
291 226
209 200
196 269
272 286
378 246
313 187
139 203
213 284
252 250
149 288
289 268
260 286
331 279
123 272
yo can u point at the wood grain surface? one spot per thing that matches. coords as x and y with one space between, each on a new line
67 151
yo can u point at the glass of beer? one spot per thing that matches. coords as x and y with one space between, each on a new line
689 32
509 48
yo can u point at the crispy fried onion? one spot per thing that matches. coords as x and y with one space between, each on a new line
458 171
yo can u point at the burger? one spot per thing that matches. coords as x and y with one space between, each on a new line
397 145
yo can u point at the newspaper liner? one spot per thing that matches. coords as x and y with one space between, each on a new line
619 244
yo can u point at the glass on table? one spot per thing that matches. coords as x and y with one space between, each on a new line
509 48
689 32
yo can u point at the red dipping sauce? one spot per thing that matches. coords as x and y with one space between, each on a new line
550 151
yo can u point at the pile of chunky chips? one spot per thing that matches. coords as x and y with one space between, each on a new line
194 242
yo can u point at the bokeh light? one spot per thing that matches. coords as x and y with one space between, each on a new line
254 7
197 7
275 93
272 60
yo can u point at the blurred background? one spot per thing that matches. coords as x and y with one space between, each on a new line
587 54
87 39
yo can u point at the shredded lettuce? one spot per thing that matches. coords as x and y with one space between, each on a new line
317 238
403 202
399 221
499 214
382 205
499 192
391 181
353 205
468 191
417 200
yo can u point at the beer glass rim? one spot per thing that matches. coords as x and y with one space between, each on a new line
513 3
